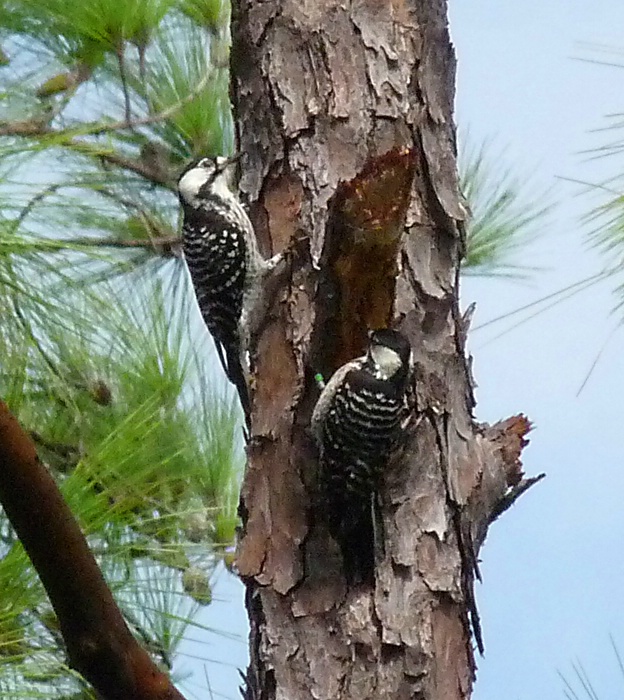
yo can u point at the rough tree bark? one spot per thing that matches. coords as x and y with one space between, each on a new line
344 111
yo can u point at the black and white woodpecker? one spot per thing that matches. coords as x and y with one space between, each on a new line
224 262
356 423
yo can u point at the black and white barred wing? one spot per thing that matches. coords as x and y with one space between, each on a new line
216 260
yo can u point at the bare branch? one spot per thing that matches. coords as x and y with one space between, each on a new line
168 246
39 129
513 495
113 157
124 83
30 205
24 127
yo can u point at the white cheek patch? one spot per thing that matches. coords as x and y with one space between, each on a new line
386 359
191 183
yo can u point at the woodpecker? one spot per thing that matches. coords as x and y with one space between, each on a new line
224 262
356 423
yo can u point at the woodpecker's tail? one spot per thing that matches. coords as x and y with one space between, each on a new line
355 523
230 358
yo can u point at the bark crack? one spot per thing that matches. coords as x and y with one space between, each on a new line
469 566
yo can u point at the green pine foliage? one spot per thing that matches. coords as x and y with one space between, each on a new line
579 684
605 224
505 213
604 221
103 357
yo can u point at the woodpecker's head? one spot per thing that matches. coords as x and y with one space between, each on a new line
390 354
204 177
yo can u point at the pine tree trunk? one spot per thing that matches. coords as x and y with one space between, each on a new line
344 113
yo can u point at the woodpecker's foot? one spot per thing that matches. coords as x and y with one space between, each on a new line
276 260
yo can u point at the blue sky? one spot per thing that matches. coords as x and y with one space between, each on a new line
553 567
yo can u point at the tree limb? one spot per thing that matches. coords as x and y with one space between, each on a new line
113 157
24 127
99 643
167 246
514 494
39 129
36 127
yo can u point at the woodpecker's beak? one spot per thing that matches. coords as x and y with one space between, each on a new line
225 162
235 158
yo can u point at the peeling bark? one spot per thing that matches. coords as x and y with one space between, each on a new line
345 122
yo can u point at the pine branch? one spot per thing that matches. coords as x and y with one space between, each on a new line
514 494
111 157
124 83
39 129
99 643
167 246
98 129
24 127
33 127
